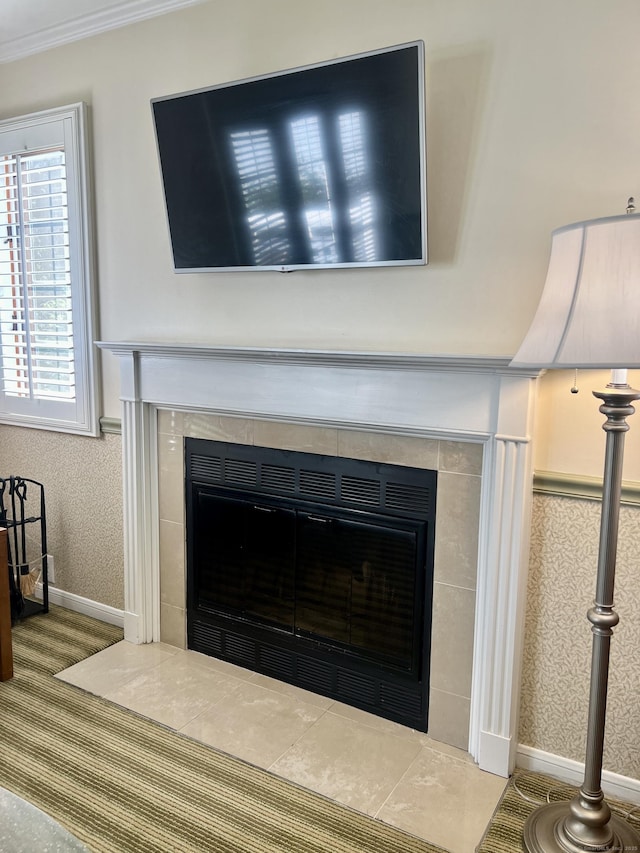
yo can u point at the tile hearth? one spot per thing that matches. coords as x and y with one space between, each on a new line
385 770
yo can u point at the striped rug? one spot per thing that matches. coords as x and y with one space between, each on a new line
524 793
122 783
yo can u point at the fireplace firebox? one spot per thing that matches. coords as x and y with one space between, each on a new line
316 570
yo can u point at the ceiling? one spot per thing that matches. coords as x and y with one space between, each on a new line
31 26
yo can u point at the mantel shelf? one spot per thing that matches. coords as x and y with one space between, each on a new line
330 358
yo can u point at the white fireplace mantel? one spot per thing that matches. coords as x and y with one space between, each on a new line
477 399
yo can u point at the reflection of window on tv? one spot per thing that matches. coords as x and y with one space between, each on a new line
332 205
316 167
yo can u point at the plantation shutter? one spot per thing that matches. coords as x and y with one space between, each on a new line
35 299
46 335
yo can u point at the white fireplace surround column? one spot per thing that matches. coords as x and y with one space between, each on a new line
476 399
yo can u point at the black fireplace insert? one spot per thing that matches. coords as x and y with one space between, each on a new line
313 569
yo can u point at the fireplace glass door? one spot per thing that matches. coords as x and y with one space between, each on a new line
315 570
332 579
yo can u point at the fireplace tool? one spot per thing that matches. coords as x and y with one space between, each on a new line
24 573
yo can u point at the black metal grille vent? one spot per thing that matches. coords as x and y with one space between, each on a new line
359 687
407 497
205 638
240 649
206 468
278 478
394 698
315 675
278 662
317 484
361 491
330 480
240 472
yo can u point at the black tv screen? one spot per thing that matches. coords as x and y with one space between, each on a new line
321 166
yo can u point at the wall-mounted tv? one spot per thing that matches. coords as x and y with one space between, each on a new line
314 167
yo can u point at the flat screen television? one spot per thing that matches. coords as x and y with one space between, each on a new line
314 167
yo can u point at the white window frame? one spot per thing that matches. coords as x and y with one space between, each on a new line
64 126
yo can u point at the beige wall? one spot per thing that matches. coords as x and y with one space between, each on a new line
569 437
529 127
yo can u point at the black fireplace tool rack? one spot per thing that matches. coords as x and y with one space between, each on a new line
23 513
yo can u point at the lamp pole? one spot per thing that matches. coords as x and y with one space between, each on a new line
586 825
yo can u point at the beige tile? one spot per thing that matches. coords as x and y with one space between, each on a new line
452 639
308 439
218 427
351 763
448 802
457 524
170 422
392 449
175 691
173 626
449 719
172 564
461 457
449 751
254 724
402 777
171 477
114 666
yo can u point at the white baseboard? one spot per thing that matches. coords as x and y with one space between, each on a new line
613 784
103 612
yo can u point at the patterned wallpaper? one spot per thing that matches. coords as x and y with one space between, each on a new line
83 490
557 648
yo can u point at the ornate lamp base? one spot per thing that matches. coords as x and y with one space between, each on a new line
544 832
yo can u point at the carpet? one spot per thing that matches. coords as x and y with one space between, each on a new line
524 793
121 783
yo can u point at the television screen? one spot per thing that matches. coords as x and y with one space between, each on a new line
321 166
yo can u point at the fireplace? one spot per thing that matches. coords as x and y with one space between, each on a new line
316 570
462 401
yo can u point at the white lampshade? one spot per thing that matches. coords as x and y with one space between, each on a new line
589 311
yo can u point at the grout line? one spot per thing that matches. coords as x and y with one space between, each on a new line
401 779
295 743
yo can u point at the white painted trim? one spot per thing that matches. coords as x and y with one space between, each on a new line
141 522
450 398
79 604
119 14
67 127
566 770
495 753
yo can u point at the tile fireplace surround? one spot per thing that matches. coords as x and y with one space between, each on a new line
463 415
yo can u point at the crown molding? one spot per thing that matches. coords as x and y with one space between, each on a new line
84 26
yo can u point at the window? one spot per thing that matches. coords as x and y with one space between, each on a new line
47 364
327 158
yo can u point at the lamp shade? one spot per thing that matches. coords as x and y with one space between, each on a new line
589 311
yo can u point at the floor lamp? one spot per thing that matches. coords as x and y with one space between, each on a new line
589 316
